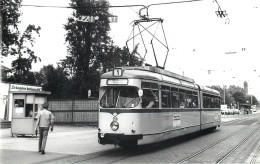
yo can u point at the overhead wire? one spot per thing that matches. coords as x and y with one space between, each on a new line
116 6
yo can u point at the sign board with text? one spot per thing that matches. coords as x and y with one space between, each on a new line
18 87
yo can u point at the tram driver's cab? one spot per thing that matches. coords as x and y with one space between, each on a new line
129 97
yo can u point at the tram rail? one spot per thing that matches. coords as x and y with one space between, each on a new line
254 131
238 145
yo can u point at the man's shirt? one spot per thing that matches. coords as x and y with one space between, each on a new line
45 118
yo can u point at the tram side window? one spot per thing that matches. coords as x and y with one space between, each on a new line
182 98
195 100
175 97
166 100
216 102
188 99
150 95
206 101
210 101
212 105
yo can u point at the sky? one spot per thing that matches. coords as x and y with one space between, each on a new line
201 45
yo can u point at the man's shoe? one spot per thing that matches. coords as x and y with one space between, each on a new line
43 152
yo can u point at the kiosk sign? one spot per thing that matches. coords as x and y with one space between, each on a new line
17 87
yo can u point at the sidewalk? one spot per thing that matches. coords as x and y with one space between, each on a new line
227 118
63 142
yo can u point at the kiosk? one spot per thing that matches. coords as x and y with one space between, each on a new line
25 106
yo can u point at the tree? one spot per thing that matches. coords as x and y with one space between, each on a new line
233 89
25 56
10 19
85 40
117 57
235 95
54 80
239 97
18 45
252 99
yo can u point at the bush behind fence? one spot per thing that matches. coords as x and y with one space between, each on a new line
75 112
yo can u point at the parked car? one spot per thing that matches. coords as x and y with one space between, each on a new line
230 111
236 111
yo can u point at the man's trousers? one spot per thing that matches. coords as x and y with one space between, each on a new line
43 138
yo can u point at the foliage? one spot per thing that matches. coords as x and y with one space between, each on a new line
22 65
17 44
117 57
91 49
54 80
84 39
239 97
235 95
10 19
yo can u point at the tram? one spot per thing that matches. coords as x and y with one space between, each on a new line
143 105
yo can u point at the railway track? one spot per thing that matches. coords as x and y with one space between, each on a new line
238 145
220 160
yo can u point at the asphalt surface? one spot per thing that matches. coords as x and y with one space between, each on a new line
64 144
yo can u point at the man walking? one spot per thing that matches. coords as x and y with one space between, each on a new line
45 121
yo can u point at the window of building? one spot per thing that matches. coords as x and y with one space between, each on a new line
28 110
18 108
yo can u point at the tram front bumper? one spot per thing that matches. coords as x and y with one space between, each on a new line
112 138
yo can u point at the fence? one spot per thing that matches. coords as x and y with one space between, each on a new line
75 112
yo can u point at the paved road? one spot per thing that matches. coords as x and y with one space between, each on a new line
68 144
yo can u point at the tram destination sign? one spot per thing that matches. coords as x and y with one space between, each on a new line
18 87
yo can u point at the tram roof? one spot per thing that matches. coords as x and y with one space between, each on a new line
153 70
207 89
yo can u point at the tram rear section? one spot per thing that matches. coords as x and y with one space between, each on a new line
142 105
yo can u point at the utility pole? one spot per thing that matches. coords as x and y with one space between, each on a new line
224 94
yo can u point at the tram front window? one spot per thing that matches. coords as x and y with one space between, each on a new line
120 97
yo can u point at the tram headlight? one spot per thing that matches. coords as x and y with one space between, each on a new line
114 125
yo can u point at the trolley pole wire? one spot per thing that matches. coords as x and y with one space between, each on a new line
115 6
